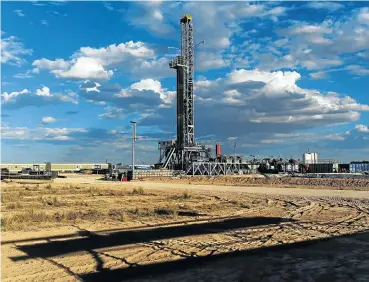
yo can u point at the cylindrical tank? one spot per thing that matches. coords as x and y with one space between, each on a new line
254 166
48 166
352 168
310 158
358 168
296 168
366 167
217 150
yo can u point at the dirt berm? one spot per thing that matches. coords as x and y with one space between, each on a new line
352 184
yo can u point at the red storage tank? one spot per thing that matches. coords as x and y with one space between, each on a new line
217 150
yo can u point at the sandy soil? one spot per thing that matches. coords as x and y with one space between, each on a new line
146 231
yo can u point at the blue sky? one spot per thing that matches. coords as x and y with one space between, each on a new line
277 78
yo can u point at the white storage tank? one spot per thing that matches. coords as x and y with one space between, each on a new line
296 168
289 168
310 158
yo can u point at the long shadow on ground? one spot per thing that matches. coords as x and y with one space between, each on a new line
329 260
82 233
350 251
94 241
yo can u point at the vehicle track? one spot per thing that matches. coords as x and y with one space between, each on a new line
306 218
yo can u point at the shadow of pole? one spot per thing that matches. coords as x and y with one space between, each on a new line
86 233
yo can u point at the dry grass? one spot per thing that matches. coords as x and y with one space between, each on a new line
119 215
186 195
10 197
39 206
14 205
138 191
20 220
51 201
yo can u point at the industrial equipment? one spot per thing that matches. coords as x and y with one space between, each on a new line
180 153
116 172
31 173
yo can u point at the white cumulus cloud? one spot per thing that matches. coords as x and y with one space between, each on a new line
39 133
86 68
44 91
48 119
362 128
9 96
98 63
114 54
155 86
40 97
54 66
316 46
145 94
12 51
261 100
147 84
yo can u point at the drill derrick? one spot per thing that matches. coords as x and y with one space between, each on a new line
181 153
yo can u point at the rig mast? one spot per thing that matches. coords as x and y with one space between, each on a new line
184 64
181 153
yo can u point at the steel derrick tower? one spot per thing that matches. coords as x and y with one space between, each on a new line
180 153
184 64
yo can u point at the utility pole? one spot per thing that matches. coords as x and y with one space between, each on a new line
133 146
235 150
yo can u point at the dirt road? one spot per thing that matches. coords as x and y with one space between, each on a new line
265 190
302 192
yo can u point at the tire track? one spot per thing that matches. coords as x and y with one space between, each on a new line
310 222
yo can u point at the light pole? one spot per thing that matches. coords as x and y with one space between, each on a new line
133 146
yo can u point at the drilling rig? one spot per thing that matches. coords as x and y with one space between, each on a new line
184 154
179 154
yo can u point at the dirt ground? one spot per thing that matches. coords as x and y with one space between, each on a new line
359 184
82 229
